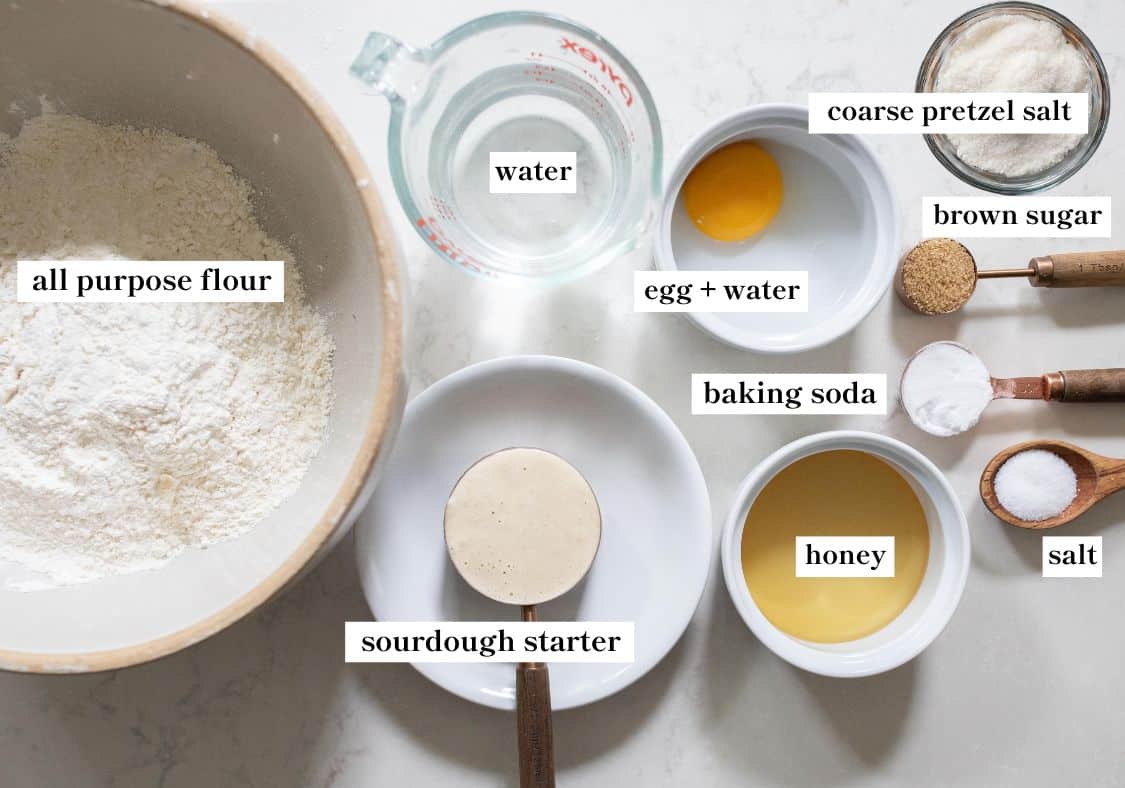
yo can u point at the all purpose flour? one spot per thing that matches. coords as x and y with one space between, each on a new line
130 432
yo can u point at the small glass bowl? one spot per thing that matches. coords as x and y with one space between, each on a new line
940 144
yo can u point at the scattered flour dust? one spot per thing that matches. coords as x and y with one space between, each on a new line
131 432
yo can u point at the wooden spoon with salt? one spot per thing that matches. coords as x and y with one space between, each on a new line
1098 477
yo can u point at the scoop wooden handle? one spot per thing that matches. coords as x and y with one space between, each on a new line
536 734
1090 385
1111 476
1079 269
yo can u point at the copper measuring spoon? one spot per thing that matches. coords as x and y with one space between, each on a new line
535 728
1068 269
1098 478
1074 385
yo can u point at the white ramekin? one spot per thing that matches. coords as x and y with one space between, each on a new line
932 607
866 180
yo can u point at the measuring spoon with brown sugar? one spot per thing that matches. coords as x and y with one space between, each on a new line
939 275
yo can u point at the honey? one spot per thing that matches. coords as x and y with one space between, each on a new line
833 494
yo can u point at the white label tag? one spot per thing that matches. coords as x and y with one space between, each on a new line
532 172
1072 556
149 281
1016 217
845 556
721 291
730 394
949 113
488 641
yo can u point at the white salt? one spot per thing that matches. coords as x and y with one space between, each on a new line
1013 53
945 388
1036 485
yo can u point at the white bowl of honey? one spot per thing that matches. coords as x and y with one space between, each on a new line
823 505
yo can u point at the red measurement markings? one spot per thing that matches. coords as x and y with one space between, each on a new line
593 57
447 247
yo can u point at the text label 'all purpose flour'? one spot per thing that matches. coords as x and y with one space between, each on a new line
132 432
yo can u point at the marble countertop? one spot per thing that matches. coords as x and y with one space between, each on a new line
1026 686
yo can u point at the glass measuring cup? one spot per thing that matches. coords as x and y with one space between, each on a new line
518 81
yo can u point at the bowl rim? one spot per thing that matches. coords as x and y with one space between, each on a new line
380 423
855 149
935 616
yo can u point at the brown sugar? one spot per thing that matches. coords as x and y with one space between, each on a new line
937 276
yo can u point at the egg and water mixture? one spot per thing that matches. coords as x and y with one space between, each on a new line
734 193
834 493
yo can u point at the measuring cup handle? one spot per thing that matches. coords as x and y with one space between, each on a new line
1079 269
389 66
536 733
1092 385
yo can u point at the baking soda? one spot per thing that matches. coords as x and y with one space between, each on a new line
945 389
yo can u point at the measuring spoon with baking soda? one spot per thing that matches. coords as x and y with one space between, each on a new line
946 387
522 527
939 275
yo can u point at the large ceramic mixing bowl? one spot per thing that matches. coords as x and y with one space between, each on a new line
177 67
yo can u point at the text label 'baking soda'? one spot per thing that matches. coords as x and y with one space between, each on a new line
750 394
845 556
1016 217
532 172
488 641
721 291
949 113
1072 556
150 281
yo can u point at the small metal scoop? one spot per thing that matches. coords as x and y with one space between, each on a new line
1070 269
533 690
1075 385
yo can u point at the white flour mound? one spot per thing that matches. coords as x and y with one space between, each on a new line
131 432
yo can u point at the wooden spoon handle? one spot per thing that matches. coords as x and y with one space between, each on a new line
1092 385
536 734
1079 269
1111 476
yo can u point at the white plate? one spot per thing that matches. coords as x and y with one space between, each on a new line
838 220
656 539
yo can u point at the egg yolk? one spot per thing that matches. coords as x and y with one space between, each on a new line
734 192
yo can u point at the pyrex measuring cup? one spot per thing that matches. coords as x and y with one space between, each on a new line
518 82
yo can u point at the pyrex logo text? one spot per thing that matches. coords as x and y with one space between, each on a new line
593 57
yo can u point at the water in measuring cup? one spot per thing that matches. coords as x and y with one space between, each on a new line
505 110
